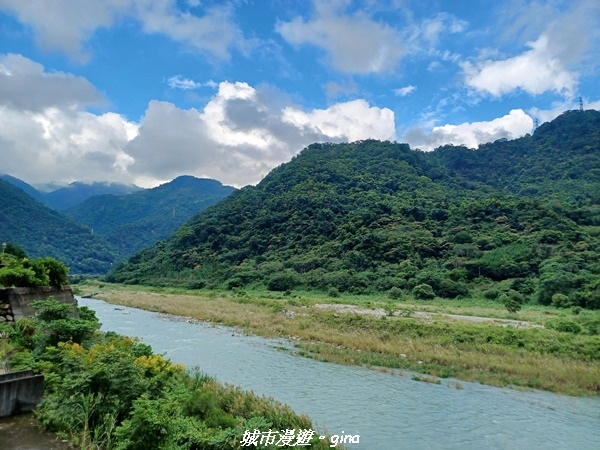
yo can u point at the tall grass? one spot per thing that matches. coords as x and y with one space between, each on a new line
438 346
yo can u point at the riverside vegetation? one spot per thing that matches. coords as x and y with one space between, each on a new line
550 348
105 391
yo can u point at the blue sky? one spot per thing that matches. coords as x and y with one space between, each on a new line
141 91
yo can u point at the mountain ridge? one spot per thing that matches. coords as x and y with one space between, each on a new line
374 216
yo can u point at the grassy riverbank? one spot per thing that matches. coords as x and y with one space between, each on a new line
422 337
108 392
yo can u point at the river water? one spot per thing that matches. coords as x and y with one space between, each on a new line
388 411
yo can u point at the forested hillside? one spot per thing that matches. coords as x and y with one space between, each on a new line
515 220
41 231
138 220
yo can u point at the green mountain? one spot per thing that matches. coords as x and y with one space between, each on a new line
41 231
379 217
138 220
560 160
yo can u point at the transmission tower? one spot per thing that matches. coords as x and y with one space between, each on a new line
580 104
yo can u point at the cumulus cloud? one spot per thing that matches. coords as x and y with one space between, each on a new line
63 144
24 84
354 43
511 126
244 132
535 71
67 25
237 137
352 121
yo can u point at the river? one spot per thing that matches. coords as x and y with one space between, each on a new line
387 410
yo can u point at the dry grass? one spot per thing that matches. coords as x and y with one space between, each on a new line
374 345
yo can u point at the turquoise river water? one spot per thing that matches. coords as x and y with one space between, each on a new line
388 410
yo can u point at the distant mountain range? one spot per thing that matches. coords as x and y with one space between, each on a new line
71 195
517 220
98 230
138 220
42 231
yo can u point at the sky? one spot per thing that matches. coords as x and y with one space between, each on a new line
142 91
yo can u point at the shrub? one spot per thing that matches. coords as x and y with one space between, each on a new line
282 282
395 293
560 301
423 292
511 305
333 292
565 325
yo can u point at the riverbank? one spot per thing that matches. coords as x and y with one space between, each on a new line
421 337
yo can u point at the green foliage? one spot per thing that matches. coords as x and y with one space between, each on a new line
560 300
512 305
423 292
57 323
565 325
395 293
35 272
15 250
333 292
282 281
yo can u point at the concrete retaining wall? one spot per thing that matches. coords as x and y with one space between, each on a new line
20 392
15 303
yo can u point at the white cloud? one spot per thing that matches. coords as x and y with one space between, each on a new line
25 85
237 137
354 43
185 84
242 133
404 91
511 126
67 25
547 115
62 144
535 71
350 121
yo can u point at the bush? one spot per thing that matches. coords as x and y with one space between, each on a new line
282 282
423 292
395 293
565 325
333 292
511 304
560 301
452 289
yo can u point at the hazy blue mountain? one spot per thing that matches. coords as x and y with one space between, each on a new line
138 220
77 192
27 188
